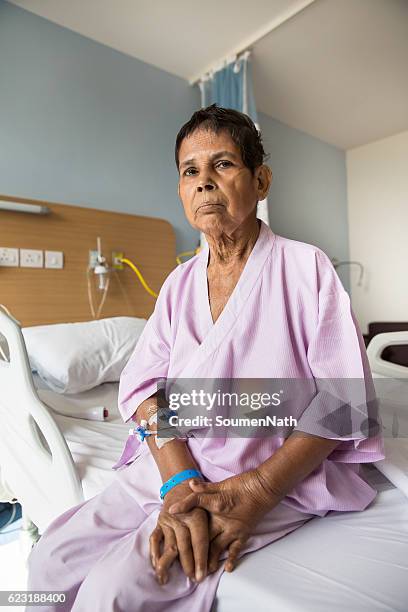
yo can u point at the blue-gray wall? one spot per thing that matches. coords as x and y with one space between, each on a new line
84 124
308 197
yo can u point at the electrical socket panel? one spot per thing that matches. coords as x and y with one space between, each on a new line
9 257
31 258
54 259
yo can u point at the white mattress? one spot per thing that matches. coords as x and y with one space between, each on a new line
355 561
95 445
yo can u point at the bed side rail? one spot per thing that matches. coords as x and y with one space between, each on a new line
34 455
375 348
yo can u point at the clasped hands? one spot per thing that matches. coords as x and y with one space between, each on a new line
199 521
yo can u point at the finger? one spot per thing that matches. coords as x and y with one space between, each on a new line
213 502
233 552
164 563
185 551
185 505
217 546
214 528
200 544
200 486
166 559
155 540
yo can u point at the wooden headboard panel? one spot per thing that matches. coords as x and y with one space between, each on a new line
41 296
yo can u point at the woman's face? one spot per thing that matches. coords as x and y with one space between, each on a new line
217 190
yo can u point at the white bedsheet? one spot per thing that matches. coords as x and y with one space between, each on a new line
355 561
95 445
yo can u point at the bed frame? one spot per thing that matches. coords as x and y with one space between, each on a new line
35 460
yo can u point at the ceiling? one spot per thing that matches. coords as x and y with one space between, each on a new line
337 69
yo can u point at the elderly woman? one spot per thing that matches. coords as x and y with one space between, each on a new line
251 304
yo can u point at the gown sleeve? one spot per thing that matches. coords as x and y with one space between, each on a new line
149 361
337 352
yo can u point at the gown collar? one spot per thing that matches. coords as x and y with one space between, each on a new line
215 333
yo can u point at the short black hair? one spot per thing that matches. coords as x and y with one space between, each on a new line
240 127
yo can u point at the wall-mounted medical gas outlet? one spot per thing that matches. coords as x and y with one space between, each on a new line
93 259
54 259
117 260
31 258
8 257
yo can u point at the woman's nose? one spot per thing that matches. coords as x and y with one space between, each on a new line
205 186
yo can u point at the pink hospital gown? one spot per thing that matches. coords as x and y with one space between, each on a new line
288 317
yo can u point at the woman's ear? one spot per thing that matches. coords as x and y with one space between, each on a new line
264 180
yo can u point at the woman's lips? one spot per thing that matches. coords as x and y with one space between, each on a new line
209 205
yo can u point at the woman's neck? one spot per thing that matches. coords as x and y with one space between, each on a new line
228 251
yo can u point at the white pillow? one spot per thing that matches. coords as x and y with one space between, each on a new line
74 357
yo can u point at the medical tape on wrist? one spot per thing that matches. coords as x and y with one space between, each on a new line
160 442
141 431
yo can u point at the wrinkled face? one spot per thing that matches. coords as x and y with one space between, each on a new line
217 190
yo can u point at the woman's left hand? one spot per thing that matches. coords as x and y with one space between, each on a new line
235 506
185 536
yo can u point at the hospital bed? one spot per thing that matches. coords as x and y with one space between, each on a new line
346 560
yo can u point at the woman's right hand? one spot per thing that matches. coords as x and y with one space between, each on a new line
185 536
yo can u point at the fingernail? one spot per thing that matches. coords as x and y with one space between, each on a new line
199 575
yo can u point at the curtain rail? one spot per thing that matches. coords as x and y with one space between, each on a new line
254 38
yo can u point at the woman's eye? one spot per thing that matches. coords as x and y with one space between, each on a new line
189 172
224 164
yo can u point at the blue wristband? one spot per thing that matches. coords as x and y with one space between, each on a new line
176 479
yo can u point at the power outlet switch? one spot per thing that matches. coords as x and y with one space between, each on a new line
31 258
8 257
54 259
